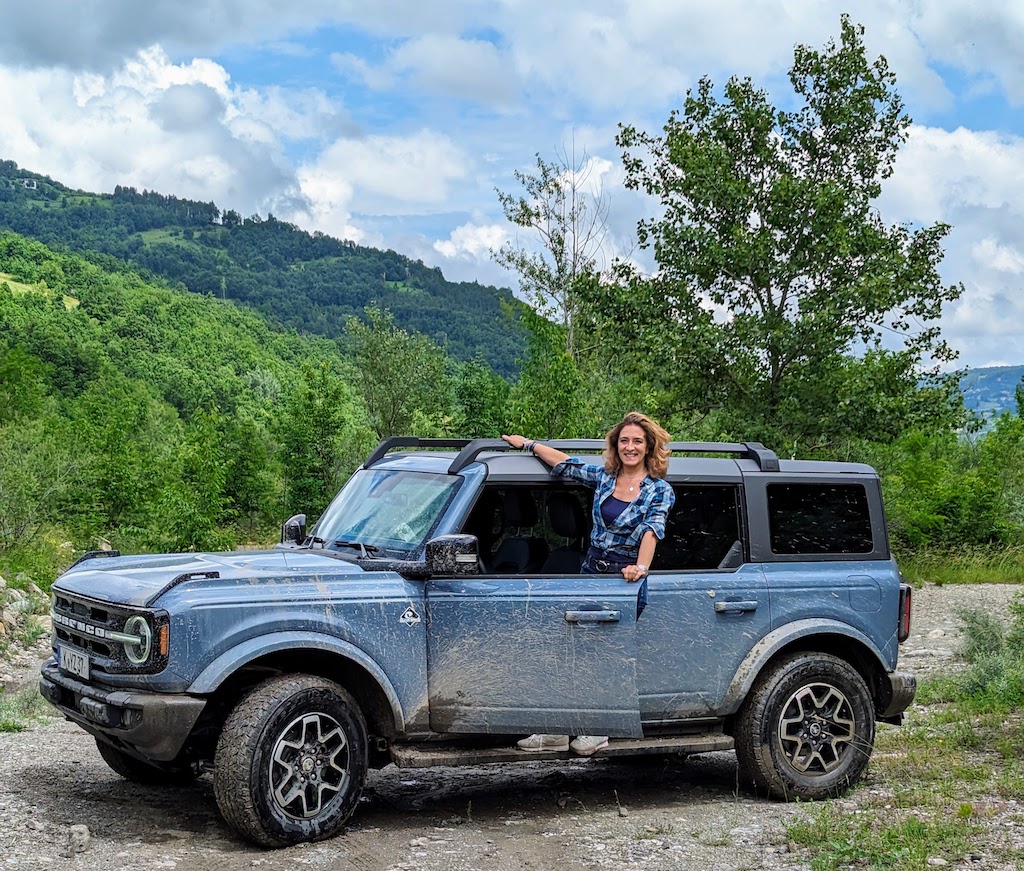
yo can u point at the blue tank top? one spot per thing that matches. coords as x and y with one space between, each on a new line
612 508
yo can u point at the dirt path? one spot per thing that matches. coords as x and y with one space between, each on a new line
57 797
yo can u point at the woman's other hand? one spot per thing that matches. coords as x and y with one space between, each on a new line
634 573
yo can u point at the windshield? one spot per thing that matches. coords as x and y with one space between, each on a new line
382 513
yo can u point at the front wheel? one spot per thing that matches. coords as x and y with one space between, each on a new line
807 728
291 761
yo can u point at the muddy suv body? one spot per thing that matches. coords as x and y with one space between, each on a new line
436 612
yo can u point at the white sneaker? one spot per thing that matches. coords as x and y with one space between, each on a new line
587 745
536 743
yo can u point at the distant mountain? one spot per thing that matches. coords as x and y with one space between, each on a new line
988 392
308 281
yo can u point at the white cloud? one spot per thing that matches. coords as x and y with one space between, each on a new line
473 242
990 254
469 68
152 124
393 174
939 173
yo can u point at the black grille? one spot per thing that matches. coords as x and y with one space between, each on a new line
83 623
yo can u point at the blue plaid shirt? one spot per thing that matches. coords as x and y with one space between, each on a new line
648 511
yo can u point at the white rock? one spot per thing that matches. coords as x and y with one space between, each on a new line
78 839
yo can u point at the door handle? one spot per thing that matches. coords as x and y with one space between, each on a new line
734 607
593 616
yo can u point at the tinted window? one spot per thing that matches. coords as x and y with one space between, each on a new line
702 528
526 530
819 518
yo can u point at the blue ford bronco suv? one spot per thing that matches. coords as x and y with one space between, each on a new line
436 613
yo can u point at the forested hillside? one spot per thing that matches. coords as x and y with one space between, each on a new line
310 282
157 419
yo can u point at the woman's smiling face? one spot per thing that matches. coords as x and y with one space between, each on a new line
632 445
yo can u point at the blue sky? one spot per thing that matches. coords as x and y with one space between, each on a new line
393 122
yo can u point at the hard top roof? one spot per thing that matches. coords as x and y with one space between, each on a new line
469 450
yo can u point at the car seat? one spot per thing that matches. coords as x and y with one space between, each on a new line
568 520
520 552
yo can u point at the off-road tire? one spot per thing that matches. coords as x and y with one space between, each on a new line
149 774
807 728
291 761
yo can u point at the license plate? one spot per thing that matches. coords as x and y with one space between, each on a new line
74 661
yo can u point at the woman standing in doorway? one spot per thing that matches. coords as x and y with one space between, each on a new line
631 504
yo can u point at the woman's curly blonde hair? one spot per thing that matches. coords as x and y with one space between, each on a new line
656 457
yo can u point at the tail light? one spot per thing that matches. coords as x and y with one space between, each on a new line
906 595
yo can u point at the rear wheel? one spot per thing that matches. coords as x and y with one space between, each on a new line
807 728
291 761
150 774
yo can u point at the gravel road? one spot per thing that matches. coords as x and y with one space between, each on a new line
61 807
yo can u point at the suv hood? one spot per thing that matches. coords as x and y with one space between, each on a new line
139 580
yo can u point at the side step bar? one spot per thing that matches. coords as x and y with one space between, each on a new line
429 755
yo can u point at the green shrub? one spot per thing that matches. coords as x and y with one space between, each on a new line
994 680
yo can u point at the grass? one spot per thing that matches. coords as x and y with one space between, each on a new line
935 781
19 287
865 839
968 565
20 709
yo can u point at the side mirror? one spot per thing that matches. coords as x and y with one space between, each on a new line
453 555
293 530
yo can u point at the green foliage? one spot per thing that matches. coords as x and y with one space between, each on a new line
949 492
401 378
963 564
37 467
324 434
193 510
842 840
481 396
568 225
994 681
18 711
305 281
550 399
774 269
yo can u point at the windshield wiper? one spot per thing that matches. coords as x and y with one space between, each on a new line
365 550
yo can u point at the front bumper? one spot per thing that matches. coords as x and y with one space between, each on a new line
895 693
153 725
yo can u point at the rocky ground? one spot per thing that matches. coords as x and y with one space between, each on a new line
61 807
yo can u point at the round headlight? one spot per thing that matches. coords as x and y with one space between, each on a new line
138 650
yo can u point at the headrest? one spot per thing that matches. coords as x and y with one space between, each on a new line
519 508
566 515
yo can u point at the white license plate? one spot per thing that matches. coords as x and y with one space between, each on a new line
74 661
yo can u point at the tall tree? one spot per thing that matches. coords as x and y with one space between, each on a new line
775 271
550 399
566 213
323 435
401 377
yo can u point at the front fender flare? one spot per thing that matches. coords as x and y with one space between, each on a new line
775 641
237 657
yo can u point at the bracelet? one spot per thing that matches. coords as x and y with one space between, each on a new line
527 445
642 568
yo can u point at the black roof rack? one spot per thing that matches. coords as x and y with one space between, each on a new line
396 442
470 449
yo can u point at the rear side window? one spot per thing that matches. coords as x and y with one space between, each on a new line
819 518
702 528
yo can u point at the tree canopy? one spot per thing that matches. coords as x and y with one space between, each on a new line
781 299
